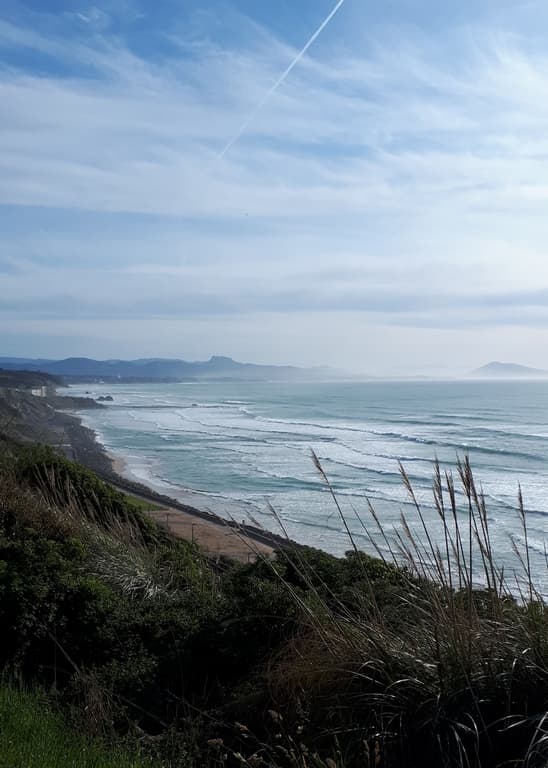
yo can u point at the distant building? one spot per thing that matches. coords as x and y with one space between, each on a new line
39 391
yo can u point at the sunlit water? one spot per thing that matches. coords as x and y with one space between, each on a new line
235 447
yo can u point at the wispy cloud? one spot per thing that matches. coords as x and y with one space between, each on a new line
416 176
406 135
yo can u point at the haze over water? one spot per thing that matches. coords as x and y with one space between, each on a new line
234 447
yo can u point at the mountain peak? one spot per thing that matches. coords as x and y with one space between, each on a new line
217 367
507 370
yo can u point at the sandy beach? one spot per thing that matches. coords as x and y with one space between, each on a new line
54 420
215 538
215 535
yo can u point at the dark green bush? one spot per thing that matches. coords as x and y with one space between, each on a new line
308 652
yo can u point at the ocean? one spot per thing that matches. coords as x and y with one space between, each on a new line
239 448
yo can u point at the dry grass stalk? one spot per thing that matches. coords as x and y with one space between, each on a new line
455 639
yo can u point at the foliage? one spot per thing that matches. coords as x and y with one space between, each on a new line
28 379
302 660
32 736
64 483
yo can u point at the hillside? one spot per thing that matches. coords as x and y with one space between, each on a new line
25 379
217 367
26 418
302 660
34 735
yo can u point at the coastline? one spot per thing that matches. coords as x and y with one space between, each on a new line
118 464
216 535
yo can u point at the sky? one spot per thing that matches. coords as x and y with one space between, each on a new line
383 209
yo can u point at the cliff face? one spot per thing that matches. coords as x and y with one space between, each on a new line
28 415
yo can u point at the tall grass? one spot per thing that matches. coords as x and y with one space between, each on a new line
125 548
452 669
432 656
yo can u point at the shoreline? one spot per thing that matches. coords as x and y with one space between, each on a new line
216 535
119 465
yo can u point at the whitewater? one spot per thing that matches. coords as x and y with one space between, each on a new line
237 448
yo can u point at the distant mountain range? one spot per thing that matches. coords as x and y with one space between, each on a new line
154 369
496 370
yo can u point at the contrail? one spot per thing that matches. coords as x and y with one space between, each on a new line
280 80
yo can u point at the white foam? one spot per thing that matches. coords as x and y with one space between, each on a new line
240 436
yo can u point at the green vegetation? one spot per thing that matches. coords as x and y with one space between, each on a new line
142 504
32 736
28 379
303 661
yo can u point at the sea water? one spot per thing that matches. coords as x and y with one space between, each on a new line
239 448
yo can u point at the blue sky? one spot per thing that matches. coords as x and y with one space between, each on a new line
385 210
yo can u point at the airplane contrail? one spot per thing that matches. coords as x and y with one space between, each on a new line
280 80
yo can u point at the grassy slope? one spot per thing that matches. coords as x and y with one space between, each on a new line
310 654
143 504
32 736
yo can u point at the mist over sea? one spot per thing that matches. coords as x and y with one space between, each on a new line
235 447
